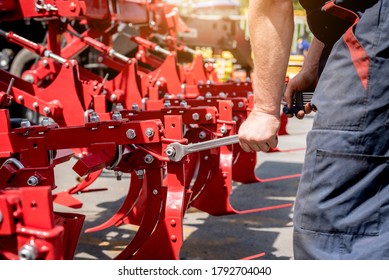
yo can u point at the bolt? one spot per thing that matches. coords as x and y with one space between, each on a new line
116 116
173 238
35 105
155 192
209 82
94 117
45 62
140 173
45 121
158 83
135 106
170 152
222 94
202 134
118 175
149 159
195 116
240 104
249 93
173 223
208 94
131 134
149 132
72 7
67 65
33 181
119 107
223 129
25 123
235 118
183 104
113 97
27 252
167 104
29 78
46 110
208 116
100 59
20 98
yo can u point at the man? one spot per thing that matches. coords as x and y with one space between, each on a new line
342 204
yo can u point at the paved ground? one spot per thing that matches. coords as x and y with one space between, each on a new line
205 236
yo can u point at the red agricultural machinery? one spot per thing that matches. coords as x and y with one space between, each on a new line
88 80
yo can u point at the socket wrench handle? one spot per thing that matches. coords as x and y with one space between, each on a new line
176 151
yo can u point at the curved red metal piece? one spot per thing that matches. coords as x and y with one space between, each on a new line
134 192
154 204
86 182
215 194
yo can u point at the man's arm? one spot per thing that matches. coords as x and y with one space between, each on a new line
271 30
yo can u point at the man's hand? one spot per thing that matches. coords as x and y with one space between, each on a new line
303 81
259 132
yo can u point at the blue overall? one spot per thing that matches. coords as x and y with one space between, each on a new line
342 203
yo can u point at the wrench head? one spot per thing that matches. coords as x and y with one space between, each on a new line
179 151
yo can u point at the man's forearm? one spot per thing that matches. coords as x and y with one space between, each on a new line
311 61
271 30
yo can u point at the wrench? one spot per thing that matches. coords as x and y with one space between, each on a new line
176 151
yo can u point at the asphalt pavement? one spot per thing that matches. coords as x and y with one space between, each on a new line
206 237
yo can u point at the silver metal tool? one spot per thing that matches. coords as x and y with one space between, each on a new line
176 151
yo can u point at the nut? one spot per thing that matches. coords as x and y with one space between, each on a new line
149 132
149 159
131 134
195 116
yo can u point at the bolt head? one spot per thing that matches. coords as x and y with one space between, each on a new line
25 123
94 117
195 116
116 116
119 107
202 134
149 159
240 104
155 192
46 110
33 181
223 129
35 105
131 134
27 252
167 104
45 121
113 97
208 116
170 152
20 98
149 132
